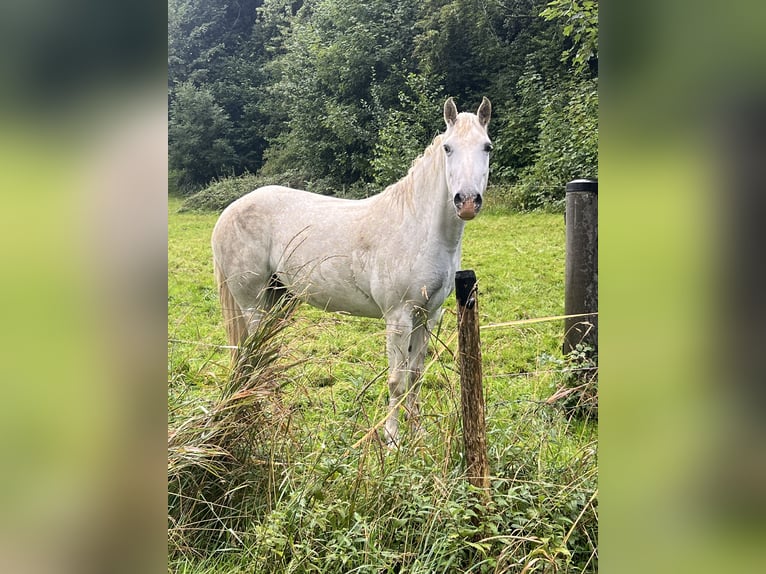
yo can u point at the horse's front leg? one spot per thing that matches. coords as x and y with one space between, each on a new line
417 358
398 332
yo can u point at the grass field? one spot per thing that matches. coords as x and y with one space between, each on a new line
340 507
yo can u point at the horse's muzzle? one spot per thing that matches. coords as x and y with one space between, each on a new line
467 206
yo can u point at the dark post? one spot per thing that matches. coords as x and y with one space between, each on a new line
581 267
471 392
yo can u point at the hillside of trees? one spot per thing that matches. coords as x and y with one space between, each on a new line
339 96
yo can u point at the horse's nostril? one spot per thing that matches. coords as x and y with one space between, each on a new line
477 201
458 199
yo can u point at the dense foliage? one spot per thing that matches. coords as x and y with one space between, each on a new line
341 95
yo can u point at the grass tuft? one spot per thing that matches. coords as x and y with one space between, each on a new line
221 457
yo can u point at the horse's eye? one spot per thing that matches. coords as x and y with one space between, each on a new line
447 149
488 147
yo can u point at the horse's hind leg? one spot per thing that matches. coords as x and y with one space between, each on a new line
270 299
235 321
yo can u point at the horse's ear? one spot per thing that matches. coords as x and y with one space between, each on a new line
450 112
484 112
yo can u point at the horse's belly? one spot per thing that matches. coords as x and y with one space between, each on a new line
333 286
353 304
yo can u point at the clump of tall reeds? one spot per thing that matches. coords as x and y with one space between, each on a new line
221 466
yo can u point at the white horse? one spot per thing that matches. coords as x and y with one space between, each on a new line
393 255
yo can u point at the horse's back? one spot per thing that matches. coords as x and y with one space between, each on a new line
314 245
284 215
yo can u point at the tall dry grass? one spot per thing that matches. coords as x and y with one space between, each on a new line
221 458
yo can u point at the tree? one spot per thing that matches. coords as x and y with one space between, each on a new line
342 67
580 23
567 146
338 93
407 129
198 150
223 48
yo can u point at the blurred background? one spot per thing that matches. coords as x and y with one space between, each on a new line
681 153
83 164
83 178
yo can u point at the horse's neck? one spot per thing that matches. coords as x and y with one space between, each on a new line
432 206
423 200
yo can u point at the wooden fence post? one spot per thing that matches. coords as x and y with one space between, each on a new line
471 392
581 267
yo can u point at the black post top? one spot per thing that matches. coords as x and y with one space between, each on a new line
465 282
582 185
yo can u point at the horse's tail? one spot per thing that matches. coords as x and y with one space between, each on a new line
233 318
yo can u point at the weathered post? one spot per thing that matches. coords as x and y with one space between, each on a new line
471 392
581 266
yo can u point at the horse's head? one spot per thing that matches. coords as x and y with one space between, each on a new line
466 148
466 151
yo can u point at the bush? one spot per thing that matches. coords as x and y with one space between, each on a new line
218 195
224 191
273 492
407 130
568 147
577 394
337 509
198 148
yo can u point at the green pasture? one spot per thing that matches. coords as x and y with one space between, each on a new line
369 509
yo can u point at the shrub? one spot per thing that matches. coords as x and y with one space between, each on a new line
568 147
577 393
198 148
224 191
407 130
